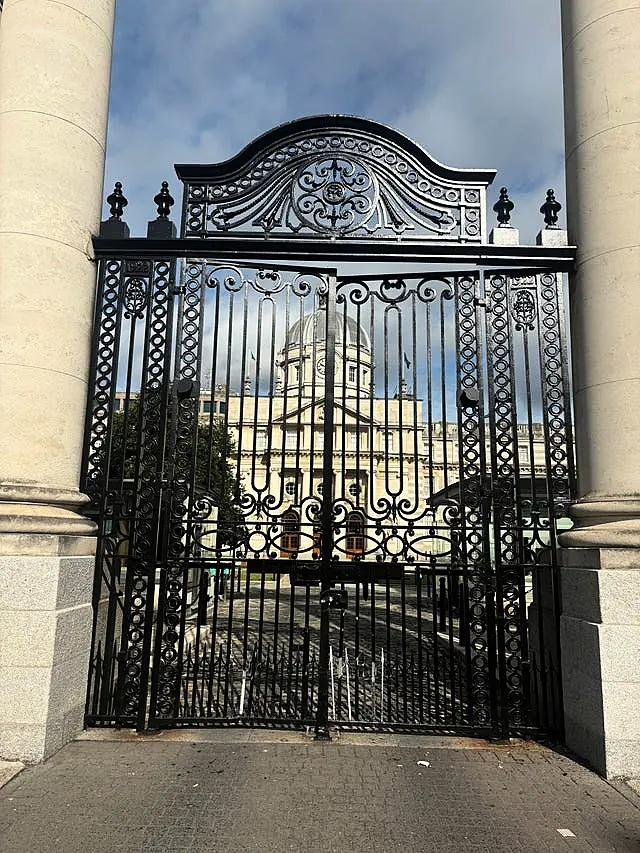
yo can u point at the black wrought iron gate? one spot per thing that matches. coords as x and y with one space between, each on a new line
324 499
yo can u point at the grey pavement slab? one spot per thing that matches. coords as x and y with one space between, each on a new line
202 793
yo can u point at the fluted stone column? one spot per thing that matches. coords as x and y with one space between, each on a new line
600 624
55 61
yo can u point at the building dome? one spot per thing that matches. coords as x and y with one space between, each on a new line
312 327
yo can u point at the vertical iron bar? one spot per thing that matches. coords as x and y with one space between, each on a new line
322 717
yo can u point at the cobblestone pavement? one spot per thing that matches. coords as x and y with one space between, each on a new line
232 791
399 637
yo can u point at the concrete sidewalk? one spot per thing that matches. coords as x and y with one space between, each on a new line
200 792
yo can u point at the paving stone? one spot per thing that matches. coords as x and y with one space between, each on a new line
179 797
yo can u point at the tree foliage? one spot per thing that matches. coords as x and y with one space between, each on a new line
214 472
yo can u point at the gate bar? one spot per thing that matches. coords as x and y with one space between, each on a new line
558 259
322 718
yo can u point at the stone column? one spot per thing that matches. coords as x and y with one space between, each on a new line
55 63
600 625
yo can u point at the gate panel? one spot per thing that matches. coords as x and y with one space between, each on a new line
238 630
410 514
124 461
309 502
532 475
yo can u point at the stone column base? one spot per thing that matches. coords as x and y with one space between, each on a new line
45 635
600 641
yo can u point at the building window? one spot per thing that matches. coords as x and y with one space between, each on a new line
365 377
117 404
355 536
352 373
222 408
261 439
206 407
353 440
291 439
317 542
290 488
290 542
387 442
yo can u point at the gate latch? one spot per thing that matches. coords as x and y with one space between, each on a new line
469 397
185 388
335 598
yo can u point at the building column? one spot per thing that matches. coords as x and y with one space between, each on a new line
55 61
600 574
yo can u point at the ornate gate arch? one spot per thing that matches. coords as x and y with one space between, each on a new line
323 496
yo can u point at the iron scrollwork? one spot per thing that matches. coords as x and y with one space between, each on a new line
356 179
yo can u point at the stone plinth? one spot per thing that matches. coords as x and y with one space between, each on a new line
553 237
600 636
504 235
45 636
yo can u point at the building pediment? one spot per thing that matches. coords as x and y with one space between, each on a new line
313 413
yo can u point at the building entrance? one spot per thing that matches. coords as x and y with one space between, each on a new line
324 498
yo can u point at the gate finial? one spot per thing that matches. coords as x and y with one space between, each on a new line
114 225
550 210
164 201
503 207
117 201
162 228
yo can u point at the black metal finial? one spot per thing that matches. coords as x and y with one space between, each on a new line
550 209
503 207
164 201
117 201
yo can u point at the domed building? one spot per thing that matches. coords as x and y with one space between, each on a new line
391 467
280 440
302 361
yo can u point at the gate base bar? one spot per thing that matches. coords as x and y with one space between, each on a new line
345 571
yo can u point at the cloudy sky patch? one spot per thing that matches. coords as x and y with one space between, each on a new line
475 82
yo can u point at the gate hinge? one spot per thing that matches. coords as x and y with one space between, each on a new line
179 290
480 302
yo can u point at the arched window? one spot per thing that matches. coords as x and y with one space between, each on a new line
355 536
290 541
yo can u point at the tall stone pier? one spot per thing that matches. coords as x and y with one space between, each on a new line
600 578
55 61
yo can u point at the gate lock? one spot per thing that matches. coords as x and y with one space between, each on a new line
335 599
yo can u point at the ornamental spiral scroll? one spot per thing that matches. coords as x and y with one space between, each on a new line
266 281
338 195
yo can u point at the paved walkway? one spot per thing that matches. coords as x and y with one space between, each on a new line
191 792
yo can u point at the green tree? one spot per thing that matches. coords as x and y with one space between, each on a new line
215 477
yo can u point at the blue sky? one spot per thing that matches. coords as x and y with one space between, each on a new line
475 82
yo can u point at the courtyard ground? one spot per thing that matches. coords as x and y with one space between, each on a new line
223 790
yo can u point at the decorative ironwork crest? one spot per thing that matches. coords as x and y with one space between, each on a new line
135 297
335 177
523 308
